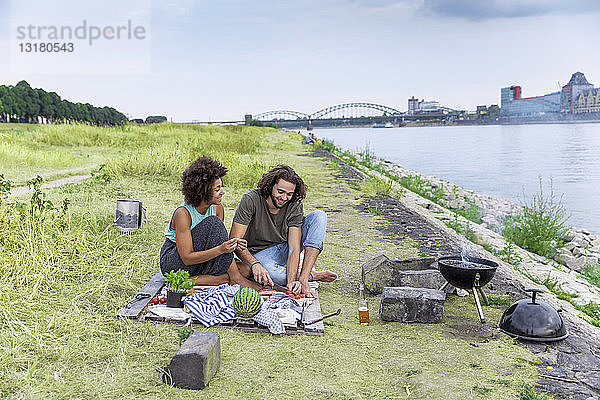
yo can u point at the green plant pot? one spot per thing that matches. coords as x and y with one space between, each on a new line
174 299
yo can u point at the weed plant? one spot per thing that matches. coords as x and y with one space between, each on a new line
541 225
591 272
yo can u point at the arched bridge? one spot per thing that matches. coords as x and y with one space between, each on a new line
277 114
345 110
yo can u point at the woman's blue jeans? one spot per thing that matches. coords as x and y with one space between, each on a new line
274 258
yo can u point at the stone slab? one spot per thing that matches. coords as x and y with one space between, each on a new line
408 304
196 362
382 272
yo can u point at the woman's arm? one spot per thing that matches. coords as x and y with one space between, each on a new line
185 247
221 212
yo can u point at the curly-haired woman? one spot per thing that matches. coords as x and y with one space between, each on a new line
196 238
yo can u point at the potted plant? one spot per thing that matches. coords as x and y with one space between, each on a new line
178 283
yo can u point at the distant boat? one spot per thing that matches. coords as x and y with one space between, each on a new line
387 125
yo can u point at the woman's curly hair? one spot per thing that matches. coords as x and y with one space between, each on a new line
197 180
285 172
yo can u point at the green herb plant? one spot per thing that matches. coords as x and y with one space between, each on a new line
178 281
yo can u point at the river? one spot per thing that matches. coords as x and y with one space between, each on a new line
502 160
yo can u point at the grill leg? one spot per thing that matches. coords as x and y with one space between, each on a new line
485 299
444 285
479 309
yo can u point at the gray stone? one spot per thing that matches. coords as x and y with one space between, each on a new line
572 345
577 251
381 272
565 258
196 361
407 304
595 242
590 378
578 362
569 246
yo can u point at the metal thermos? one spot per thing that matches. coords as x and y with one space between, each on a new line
130 215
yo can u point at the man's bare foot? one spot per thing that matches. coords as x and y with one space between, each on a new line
324 276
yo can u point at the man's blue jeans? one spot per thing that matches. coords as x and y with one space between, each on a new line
274 258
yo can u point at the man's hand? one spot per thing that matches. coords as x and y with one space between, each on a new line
229 246
261 275
295 287
306 290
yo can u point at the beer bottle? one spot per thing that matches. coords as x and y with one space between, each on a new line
363 307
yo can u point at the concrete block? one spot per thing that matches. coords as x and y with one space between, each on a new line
407 304
381 272
196 362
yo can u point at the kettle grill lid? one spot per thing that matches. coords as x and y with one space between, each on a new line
535 320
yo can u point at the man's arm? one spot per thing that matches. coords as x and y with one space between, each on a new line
293 261
260 273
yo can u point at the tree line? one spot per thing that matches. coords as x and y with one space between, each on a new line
22 103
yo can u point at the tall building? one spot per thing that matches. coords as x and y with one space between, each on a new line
577 96
580 96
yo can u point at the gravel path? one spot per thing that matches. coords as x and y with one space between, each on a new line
59 182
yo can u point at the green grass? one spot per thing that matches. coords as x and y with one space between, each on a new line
64 275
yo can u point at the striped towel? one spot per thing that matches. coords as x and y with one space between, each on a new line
212 306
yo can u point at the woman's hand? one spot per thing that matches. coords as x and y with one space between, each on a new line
242 244
229 246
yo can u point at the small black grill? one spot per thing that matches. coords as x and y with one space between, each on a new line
469 273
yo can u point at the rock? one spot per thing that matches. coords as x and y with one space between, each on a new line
571 262
577 251
578 264
430 279
591 378
578 362
578 241
595 242
381 272
453 203
569 246
584 231
406 304
196 361
565 258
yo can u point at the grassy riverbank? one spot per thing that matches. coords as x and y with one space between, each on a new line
65 274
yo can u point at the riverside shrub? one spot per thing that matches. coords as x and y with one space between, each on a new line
540 226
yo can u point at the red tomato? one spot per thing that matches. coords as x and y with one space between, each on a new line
150 304
163 300
155 300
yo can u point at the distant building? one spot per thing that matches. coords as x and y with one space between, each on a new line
416 106
580 96
413 105
577 96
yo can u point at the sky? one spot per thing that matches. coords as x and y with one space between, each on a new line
219 60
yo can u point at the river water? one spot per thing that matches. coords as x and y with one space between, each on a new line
502 160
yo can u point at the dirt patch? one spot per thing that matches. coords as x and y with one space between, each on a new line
471 330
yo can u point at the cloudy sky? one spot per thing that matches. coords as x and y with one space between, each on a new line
218 60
